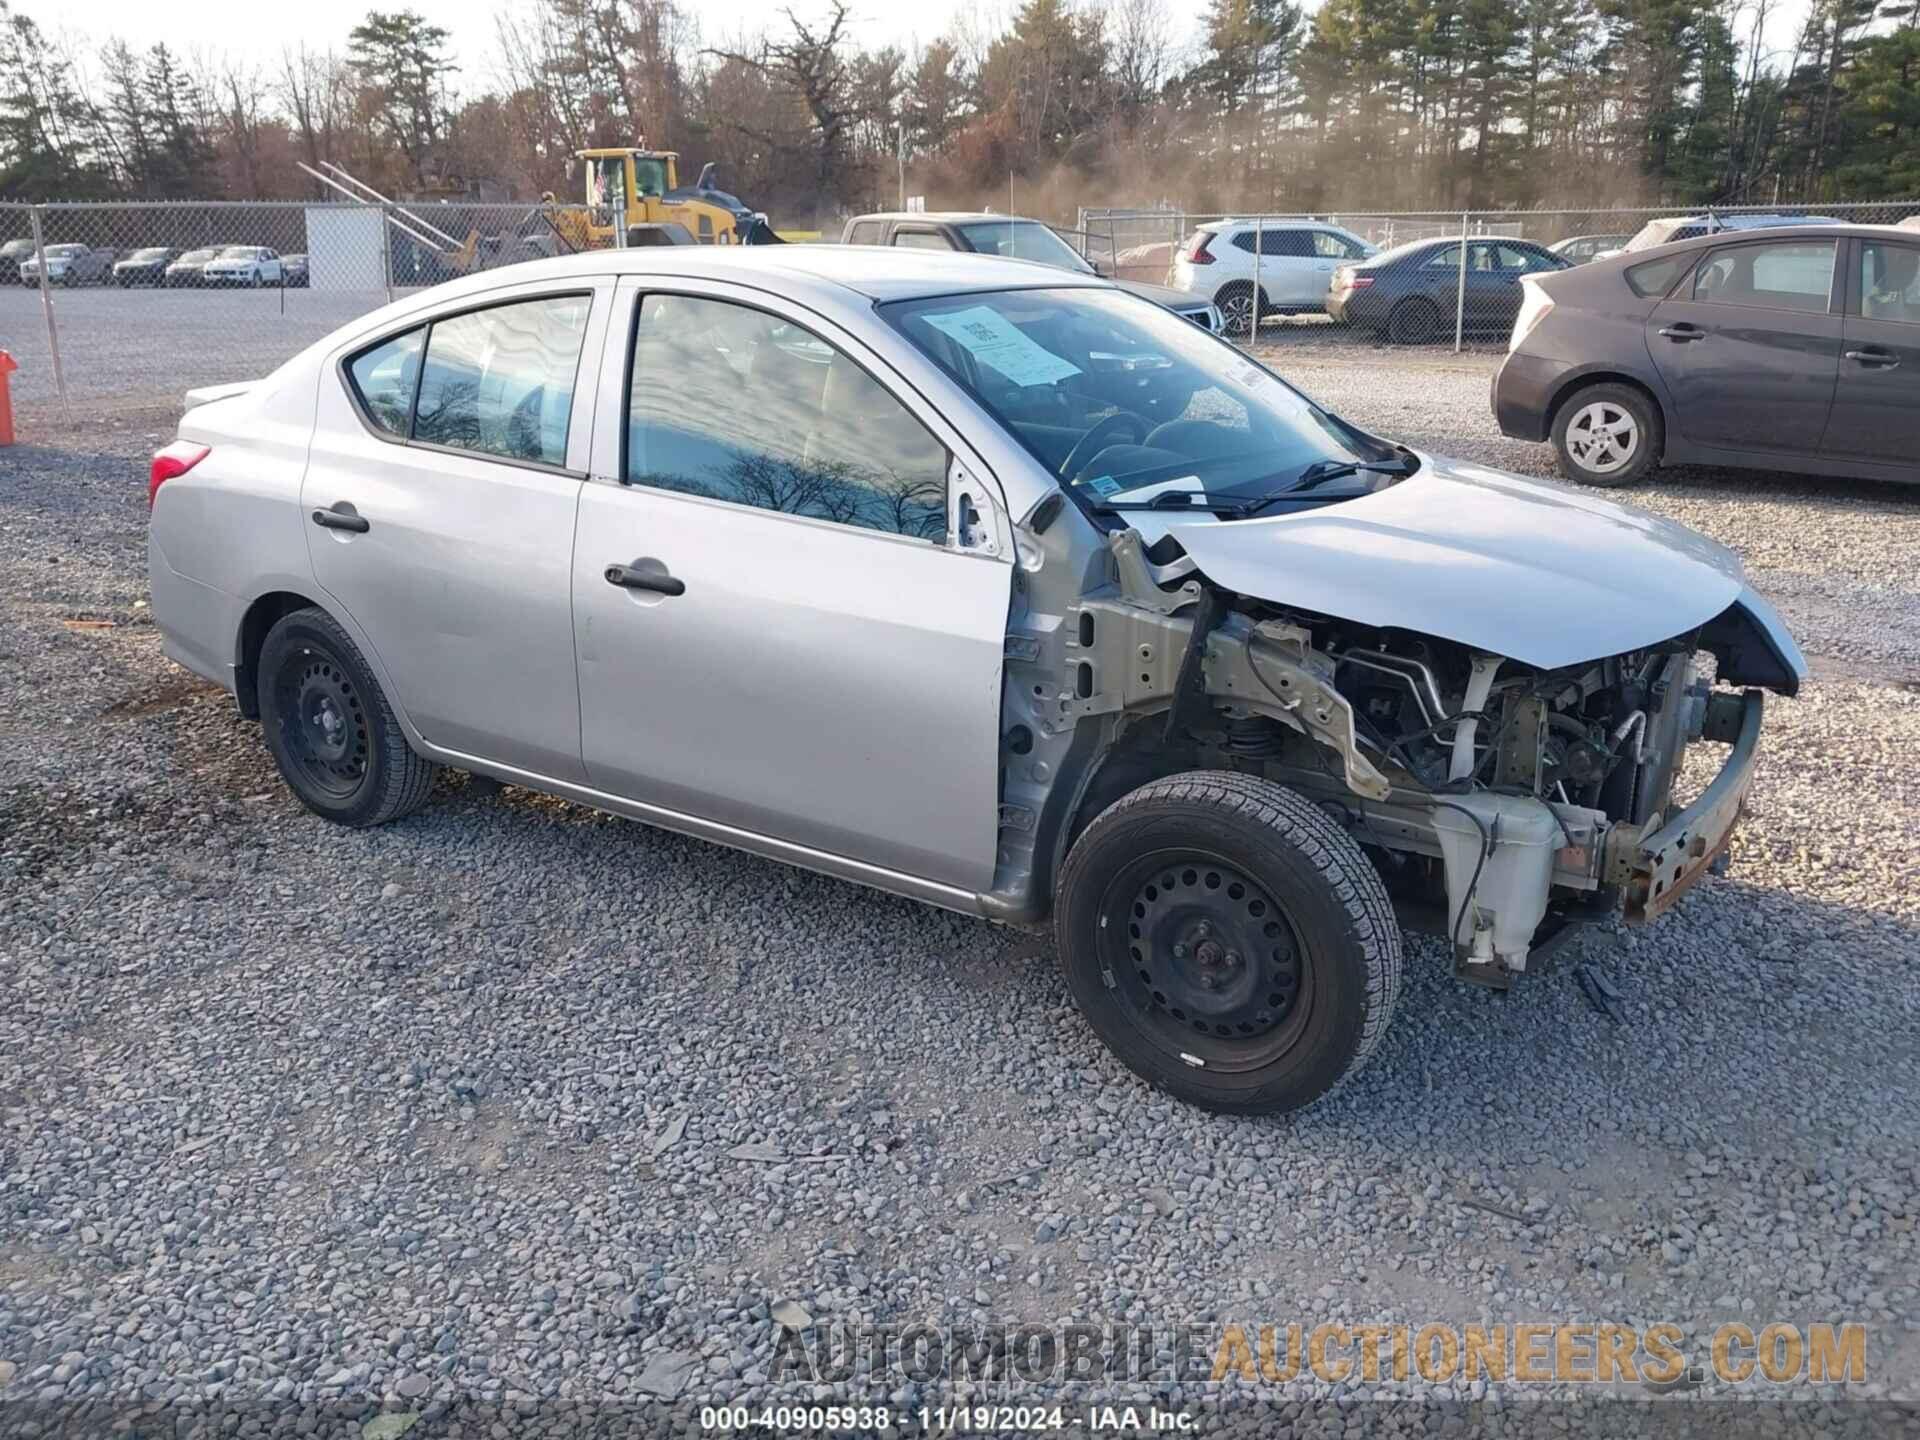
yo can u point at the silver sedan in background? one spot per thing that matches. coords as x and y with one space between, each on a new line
981 583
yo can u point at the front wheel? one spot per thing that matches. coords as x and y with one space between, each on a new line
1608 435
1229 942
337 742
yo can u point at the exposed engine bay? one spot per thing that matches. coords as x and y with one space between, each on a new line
1501 802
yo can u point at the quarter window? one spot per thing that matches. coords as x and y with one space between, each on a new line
500 381
1652 279
1889 282
1791 276
738 405
384 378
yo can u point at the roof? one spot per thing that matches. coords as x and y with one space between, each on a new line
946 217
878 273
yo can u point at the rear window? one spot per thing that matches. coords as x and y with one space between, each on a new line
1654 279
864 232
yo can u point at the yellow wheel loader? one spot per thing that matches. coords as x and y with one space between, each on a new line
645 184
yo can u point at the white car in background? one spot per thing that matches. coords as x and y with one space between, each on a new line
1297 259
243 265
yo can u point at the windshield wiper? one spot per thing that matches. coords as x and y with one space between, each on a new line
1321 471
1175 500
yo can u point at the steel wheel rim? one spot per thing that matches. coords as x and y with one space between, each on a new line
1603 437
323 725
1155 952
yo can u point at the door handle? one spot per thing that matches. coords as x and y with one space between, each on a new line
1877 359
1683 332
656 578
342 517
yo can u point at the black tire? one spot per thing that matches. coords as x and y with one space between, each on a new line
1413 322
1237 303
1631 454
1306 962
336 740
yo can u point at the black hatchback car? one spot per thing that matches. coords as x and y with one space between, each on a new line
1412 293
1783 349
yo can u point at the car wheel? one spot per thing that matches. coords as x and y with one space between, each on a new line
1236 307
1608 435
336 740
1413 322
1228 941
257 280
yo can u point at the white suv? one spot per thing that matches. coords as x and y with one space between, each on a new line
1297 261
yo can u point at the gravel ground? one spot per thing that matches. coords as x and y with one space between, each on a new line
517 1104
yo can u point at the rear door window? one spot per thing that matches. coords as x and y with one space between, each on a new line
1793 275
500 381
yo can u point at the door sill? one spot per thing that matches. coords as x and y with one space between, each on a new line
878 877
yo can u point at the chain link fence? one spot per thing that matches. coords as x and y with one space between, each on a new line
1412 278
108 306
127 305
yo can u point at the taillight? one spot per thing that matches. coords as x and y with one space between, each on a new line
1199 254
1535 306
176 459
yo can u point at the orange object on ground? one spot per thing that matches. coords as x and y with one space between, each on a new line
7 366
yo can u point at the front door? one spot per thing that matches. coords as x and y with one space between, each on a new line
1749 346
776 631
439 507
1876 406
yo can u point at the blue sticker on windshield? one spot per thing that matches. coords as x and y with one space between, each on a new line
1104 485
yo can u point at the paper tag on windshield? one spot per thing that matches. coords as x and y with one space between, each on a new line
996 342
1104 485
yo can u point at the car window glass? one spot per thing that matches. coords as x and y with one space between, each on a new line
1289 244
500 381
1447 257
736 404
1890 282
922 240
384 378
1652 280
1788 276
1329 246
1513 257
864 232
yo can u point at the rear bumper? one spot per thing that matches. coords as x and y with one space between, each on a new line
1523 391
1667 862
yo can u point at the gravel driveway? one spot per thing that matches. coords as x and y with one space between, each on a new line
516 1104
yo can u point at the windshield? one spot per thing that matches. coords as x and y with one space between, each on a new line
1125 401
199 255
1023 240
65 252
149 255
650 176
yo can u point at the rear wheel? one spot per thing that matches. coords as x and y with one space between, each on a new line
1608 435
1229 942
1237 305
337 742
1414 322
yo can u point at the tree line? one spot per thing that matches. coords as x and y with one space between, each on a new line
1360 104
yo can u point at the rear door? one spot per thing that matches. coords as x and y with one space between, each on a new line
439 503
1876 404
1749 345
786 623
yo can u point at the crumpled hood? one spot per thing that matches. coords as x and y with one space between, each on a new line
1514 567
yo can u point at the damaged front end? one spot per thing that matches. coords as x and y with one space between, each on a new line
1503 802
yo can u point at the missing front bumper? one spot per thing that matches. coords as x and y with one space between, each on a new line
1664 864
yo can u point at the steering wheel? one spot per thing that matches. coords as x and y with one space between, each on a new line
1098 438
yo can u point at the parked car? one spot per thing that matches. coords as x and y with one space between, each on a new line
981 233
1686 227
1767 349
254 265
1912 222
1297 261
11 254
191 268
293 271
1412 293
70 265
902 589
144 267
1579 249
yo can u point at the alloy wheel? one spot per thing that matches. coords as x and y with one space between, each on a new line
1603 438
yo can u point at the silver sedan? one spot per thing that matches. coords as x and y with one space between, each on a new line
987 585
